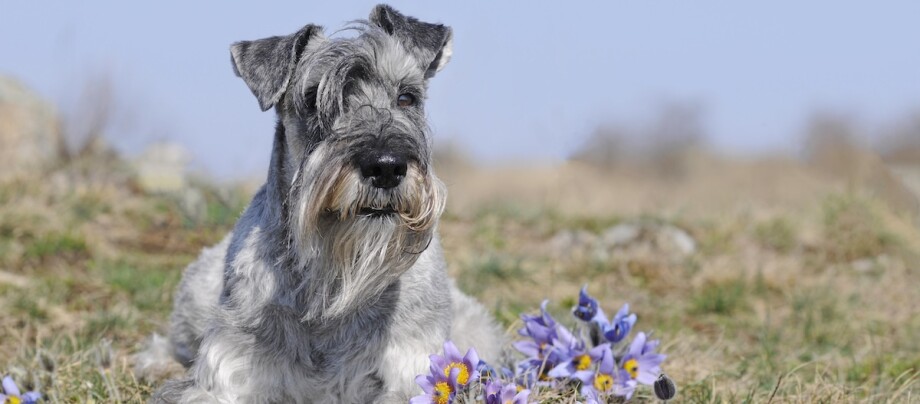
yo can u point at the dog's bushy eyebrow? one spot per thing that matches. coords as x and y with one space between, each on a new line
329 75
333 68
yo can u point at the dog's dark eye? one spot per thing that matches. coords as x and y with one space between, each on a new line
405 100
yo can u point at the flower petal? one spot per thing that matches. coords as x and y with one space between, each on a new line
493 387
650 346
528 348
451 353
647 378
649 361
425 382
521 397
508 392
438 363
454 379
597 352
607 363
638 343
471 358
422 399
561 371
589 393
31 397
586 376
9 386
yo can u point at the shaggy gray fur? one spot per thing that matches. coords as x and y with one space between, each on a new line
311 298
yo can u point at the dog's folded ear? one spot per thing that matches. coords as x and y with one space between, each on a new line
266 65
431 43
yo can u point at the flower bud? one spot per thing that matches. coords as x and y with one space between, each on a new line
664 388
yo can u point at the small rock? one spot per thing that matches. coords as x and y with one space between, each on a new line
870 264
620 235
568 242
679 239
30 134
162 167
12 279
645 238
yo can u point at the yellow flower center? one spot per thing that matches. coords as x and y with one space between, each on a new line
582 362
464 375
13 400
632 366
441 394
603 382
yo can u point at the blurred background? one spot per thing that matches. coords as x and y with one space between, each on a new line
747 175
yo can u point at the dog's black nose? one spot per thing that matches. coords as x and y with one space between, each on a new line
386 170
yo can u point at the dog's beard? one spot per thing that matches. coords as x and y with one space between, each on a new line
356 240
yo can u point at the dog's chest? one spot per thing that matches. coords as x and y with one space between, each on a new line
335 362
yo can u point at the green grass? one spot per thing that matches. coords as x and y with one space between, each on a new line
63 245
147 286
722 298
489 270
99 269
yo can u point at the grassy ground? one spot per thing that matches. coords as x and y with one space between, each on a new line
801 289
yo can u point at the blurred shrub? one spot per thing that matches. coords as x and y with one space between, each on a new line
661 146
777 234
901 143
853 229
836 146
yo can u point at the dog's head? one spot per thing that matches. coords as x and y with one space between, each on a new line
352 161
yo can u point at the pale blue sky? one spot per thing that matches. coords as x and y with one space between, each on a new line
528 79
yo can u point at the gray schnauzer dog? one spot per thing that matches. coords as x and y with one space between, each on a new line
332 287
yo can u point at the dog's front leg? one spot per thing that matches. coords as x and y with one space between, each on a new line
222 373
402 361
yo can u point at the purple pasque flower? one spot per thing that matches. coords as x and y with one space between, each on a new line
561 348
526 374
12 394
543 321
581 363
466 365
641 362
448 374
607 380
540 342
486 371
588 309
565 346
618 328
498 393
437 389
541 330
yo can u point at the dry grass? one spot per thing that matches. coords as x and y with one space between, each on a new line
802 288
